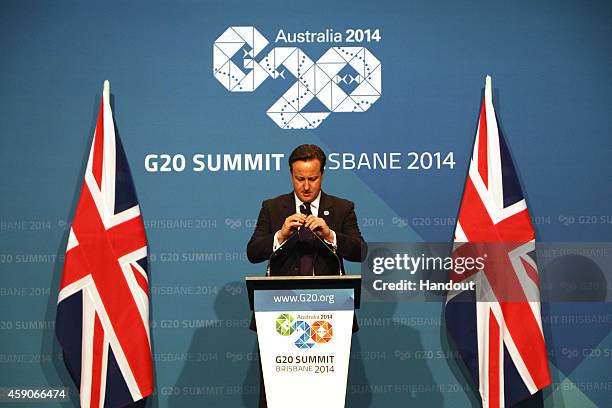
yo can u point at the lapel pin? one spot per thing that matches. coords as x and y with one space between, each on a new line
326 212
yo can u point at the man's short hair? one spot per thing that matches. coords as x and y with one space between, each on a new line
307 152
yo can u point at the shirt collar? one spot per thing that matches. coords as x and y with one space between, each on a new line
314 205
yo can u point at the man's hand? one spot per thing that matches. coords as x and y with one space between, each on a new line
291 223
319 227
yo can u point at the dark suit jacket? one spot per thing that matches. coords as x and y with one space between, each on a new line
339 214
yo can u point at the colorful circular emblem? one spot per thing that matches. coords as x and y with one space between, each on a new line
320 331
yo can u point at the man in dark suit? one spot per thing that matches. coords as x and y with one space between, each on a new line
286 224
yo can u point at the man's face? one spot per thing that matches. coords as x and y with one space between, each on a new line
306 178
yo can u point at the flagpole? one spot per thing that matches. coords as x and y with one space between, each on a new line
106 91
488 86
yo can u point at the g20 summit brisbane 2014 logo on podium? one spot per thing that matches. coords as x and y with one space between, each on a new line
306 334
343 79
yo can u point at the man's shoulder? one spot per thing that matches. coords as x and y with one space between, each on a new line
336 201
281 199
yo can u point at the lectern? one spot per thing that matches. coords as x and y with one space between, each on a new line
304 328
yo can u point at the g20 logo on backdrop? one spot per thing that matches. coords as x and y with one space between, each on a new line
320 80
308 334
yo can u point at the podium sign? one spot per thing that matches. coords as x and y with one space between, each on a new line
304 341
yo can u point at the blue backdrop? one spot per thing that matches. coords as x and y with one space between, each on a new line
550 61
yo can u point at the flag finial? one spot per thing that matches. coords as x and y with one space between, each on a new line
106 91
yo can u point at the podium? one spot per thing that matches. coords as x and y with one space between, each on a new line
304 328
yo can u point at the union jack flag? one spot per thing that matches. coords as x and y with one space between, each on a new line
497 329
103 304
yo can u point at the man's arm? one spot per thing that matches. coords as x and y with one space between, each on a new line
349 237
260 245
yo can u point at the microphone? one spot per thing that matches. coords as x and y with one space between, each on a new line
278 251
329 248
306 211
